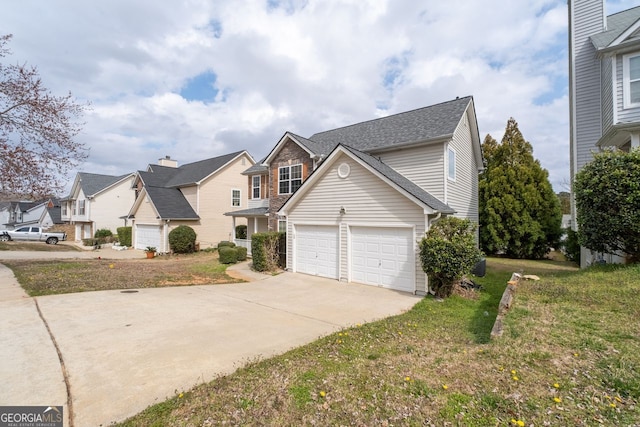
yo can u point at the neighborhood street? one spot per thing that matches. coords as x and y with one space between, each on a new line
122 351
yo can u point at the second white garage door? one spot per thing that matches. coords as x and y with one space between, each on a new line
383 257
317 250
148 235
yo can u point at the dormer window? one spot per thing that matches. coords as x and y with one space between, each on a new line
631 79
289 179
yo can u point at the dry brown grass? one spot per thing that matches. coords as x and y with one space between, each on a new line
65 276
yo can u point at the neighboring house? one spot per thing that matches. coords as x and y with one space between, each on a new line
44 214
97 202
195 194
355 201
604 85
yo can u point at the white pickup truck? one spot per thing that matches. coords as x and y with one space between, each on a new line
34 234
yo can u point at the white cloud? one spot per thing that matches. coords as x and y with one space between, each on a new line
304 66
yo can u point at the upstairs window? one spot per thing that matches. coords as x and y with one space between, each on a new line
255 187
451 164
80 207
631 79
235 198
289 179
73 207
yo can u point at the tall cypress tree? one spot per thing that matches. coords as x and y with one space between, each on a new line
520 215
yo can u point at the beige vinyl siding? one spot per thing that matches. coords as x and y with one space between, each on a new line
367 200
423 165
146 214
107 208
215 199
462 194
191 194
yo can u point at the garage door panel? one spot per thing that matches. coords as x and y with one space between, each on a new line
147 235
317 250
383 257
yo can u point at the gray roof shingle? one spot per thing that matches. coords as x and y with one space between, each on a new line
192 173
423 124
170 203
617 24
93 183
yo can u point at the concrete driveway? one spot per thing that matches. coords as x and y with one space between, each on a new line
123 351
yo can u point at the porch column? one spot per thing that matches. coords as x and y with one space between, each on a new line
255 225
233 230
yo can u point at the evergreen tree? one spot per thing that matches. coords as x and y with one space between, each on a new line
520 214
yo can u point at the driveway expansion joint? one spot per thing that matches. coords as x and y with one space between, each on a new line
63 367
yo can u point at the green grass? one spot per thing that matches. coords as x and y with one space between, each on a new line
573 336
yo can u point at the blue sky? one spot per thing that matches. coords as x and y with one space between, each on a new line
200 78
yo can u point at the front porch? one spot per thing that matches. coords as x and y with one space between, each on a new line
257 222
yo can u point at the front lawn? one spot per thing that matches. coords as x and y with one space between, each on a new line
65 276
570 355
38 246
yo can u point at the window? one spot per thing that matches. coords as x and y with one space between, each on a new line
451 164
255 187
631 78
64 209
80 207
289 179
282 225
73 207
235 197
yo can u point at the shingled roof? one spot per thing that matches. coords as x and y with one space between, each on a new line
93 183
162 184
617 24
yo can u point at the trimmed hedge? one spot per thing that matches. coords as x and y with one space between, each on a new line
103 232
242 253
266 250
241 231
124 235
227 244
182 239
228 255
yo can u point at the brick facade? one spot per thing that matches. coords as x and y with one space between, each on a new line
290 154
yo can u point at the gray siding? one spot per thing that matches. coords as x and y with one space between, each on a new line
462 194
423 165
607 95
368 201
587 19
628 115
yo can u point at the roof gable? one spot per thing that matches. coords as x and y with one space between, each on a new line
378 168
621 28
304 143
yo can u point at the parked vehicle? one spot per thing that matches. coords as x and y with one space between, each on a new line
34 234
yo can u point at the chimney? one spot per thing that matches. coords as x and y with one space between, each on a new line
168 162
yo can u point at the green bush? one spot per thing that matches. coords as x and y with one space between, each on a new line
103 232
227 244
571 246
124 235
267 250
448 252
93 242
182 240
241 231
228 255
242 253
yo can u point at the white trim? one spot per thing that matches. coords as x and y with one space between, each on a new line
253 187
290 167
626 81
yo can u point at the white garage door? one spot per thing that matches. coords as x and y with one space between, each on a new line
383 257
148 235
317 250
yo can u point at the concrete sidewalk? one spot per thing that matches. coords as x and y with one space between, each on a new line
124 351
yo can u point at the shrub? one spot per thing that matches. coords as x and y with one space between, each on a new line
227 244
241 231
182 239
266 250
242 253
124 235
448 252
103 232
571 246
228 255
93 242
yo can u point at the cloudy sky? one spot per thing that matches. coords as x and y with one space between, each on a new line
195 79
